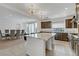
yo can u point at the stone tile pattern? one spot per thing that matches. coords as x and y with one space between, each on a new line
12 48
61 48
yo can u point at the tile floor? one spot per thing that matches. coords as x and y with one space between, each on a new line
61 48
12 48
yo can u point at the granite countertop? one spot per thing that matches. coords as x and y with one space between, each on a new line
38 32
44 35
75 36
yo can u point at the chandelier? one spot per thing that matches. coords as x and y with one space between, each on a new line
34 10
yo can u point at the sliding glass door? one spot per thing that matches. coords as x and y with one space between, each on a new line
31 29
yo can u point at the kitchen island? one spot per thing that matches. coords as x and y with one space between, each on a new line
36 46
75 44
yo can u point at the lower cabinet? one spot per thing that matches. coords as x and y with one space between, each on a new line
75 45
61 36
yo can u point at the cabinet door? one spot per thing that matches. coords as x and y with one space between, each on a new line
64 37
61 36
68 23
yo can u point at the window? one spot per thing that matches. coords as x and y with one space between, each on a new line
31 28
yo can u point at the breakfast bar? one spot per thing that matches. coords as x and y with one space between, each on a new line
36 46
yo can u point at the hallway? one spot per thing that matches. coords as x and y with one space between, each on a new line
61 48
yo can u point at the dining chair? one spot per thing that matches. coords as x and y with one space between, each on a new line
12 34
7 35
22 32
18 34
1 36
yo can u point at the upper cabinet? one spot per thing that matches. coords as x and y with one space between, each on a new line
77 11
70 23
46 24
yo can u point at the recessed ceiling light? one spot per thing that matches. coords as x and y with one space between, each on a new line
66 8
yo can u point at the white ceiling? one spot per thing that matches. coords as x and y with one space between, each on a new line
58 9
18 11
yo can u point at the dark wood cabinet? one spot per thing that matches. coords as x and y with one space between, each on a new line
46 24
75 25
61 36
68 23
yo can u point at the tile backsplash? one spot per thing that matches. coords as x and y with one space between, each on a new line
62 30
